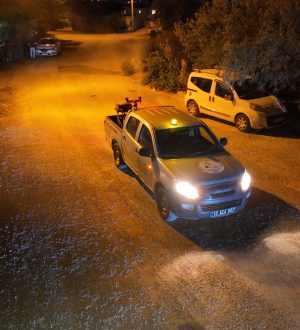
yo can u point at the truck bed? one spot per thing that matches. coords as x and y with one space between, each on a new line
113 128
114 119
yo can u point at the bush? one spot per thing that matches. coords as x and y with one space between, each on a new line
127 69
161 67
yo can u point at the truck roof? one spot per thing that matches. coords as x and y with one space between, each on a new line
160 117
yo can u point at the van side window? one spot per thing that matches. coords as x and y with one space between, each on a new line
145 138
222 90
132 126
202 83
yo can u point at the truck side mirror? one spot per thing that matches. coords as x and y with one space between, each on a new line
223 141
145 152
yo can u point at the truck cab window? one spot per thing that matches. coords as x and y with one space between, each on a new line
132 126
145 138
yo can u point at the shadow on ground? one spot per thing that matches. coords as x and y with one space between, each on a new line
290 130
263 212
86 69
239 231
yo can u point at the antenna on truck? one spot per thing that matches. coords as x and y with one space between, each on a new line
124 108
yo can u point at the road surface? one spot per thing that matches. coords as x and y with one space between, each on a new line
81 243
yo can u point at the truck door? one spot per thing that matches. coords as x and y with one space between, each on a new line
130 147
222 101
145 164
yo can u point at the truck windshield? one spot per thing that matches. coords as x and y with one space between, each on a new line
249 90
186 142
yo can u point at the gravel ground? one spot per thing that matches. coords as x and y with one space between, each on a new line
81 243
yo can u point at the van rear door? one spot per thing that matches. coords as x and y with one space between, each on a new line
199 89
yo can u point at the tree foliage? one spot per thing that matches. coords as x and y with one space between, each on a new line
50 13
21 19
171 11
162 65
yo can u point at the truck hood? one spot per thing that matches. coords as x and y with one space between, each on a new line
206 169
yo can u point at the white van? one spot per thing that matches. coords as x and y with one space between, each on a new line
247 105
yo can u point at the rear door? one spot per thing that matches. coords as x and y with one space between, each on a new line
222 102
145 164
130 146
199 89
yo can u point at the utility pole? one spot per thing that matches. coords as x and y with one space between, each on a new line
132 16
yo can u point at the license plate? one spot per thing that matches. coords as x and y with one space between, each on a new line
222 213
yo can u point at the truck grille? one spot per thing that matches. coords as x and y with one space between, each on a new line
223 190
221 206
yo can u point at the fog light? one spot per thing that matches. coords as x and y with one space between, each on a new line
189 207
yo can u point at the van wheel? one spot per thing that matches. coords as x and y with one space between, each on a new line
118 156
193 109
242 123
163 205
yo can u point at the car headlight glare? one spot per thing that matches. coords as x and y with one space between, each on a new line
186 189
246 181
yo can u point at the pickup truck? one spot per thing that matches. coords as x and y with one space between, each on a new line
179 159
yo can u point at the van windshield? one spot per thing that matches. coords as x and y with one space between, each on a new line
249 89
186 142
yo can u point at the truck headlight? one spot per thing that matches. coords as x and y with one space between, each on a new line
246 181
186 189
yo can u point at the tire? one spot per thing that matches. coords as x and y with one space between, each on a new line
242 123
193 109
119 162
163 205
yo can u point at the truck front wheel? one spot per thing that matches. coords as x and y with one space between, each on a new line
163 205
118 156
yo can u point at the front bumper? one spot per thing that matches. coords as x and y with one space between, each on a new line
209 208
46 53
263 121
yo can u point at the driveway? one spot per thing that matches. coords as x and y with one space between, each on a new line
82 245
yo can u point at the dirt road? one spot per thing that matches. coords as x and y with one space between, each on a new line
81 243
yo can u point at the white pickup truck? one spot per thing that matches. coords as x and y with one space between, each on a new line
179 159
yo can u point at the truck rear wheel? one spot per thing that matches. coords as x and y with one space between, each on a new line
163 205
118 156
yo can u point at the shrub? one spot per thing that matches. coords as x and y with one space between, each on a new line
127 69
161 66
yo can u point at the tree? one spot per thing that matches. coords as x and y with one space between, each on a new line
162 64
51 13
171 11
20 19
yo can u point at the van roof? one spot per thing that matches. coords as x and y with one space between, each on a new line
215 72
159 117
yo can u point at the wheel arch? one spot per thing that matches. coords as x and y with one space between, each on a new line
189 100
241 113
